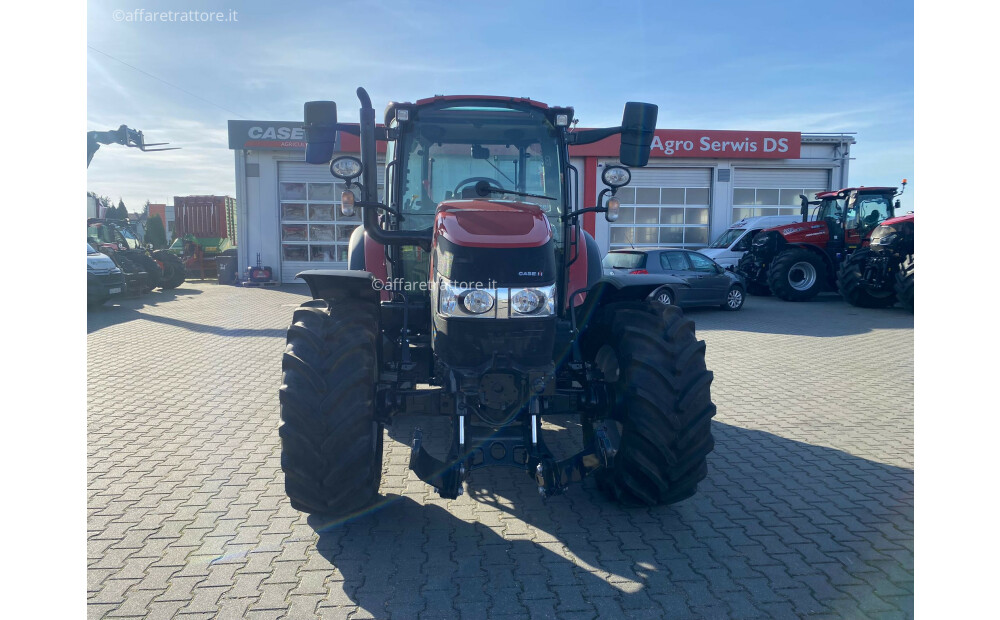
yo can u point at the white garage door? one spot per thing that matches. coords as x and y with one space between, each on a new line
314 234
774 191
664 206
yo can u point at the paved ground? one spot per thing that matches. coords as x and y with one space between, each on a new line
807 510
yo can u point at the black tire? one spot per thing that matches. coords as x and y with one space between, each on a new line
665 411
753 287
154 275
904 283
663 296
796 275
173 269
854 289
734 298
331 445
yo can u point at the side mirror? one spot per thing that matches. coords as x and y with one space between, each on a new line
638 125
321 130
804 210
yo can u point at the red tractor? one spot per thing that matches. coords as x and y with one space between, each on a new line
882 273
474 293
798 261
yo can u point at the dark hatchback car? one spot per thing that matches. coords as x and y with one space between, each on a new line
697 280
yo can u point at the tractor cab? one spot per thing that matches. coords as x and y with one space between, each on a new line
851 214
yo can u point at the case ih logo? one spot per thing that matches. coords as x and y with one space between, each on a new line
530 274
266 134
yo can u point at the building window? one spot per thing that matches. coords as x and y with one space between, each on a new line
757 201
655 216
312 227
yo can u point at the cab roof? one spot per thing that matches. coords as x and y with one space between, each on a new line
862 189
444 98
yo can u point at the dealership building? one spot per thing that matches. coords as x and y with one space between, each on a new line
697 183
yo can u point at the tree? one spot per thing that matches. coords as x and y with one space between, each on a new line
121 213
155 232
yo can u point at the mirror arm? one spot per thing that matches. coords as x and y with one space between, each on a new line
600 201
589 136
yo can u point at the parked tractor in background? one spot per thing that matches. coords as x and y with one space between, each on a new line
144 270
474 293
881 274
798 261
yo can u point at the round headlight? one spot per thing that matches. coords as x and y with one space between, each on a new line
616 176
346 167
526 301
477 301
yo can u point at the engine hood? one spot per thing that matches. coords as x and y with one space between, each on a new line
899 219
492 224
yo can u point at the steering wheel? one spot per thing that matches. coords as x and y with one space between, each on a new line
492 182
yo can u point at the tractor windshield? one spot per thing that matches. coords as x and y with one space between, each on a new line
445 152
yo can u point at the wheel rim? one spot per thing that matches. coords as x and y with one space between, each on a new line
802 276
735 298
664 298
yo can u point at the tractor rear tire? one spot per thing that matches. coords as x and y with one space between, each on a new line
796 275
331 443
173 269
904 283
650 353
854 289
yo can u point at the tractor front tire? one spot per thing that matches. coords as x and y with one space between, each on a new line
854 289
904 283
173 269
331 443
664 413
796 275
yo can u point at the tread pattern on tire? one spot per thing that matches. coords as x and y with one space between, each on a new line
904 283
331 447
666 406
777 274
852 287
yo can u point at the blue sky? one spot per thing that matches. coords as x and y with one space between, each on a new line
792 66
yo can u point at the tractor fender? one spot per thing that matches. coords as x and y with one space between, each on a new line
330 283
627 287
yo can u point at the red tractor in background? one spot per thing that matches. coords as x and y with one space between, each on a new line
798 261
881 274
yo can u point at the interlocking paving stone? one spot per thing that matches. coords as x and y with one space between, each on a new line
807 510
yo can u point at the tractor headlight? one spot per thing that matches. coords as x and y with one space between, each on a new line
477 301
884 235
533 301
460 301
